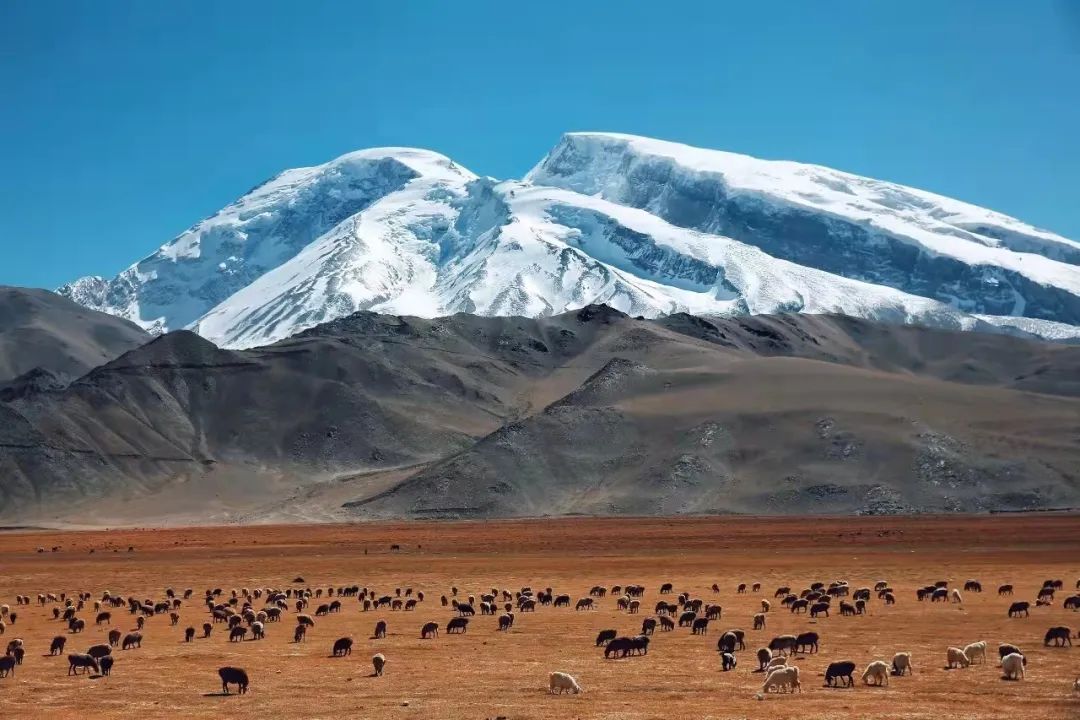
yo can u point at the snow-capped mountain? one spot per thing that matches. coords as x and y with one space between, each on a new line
646 226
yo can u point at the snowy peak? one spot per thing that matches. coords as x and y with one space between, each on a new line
645 226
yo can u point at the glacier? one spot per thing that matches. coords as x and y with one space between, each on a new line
646 226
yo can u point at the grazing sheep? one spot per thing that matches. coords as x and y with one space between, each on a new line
343 647
842 670
765 605
776 662
57 646
957 658
379 662
700 626
783 644
605 636
648 626
189 634
86 662
1008 649
901 663
1012 666
380 629
99 651
819 608
782 677
878 671
237 634
763 658
561 681
300 633
305 620
1019 607
1005 590
132 640
258 631
106 664
759 621
728 661
976 650
666 624
233 676
1059 635
955 596
206 628
457 625
429 630
584 604
727 643
807 642
7 665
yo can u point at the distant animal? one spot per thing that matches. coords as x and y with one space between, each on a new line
1012 666
901 663
86 662
1060 636
380 629
132 640
457 625
842 670
1019 607
786 678
429 630
878 672
106 664
57 646
233 676
342 647
605 636
728 661
378 661
562 682
956 658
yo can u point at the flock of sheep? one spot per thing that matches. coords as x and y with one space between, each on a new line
247 612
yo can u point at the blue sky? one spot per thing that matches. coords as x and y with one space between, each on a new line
124 122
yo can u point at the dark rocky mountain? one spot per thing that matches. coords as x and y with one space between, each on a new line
372 416
40 330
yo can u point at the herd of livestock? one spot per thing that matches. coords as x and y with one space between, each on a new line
245 613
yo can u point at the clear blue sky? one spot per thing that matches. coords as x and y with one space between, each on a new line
122 123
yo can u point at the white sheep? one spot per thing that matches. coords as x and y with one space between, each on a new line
976 650
378 661
782 677
955 596
1013 666
779 661
878 671
765 605
901 663
957 658
562 681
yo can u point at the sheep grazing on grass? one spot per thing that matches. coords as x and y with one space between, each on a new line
86 662
132 640
976 650
1059 636
842 670
506 621
1007 649
560 682
57 646
7 665
955 596
957 658
233 676
1012 666
457 625
258 631
783 678
378 661
380 629
237 634
1019 607
114 637
728 661
878 671
763 658
778 661
106 664
189 634
759 621
901 663
429 630
99 651
1005 590
206 628
343 647
305 620
765 605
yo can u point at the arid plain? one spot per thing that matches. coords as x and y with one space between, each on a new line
487 674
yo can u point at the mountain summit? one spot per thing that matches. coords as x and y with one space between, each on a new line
646 226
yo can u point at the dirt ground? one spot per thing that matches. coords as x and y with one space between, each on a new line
488 674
